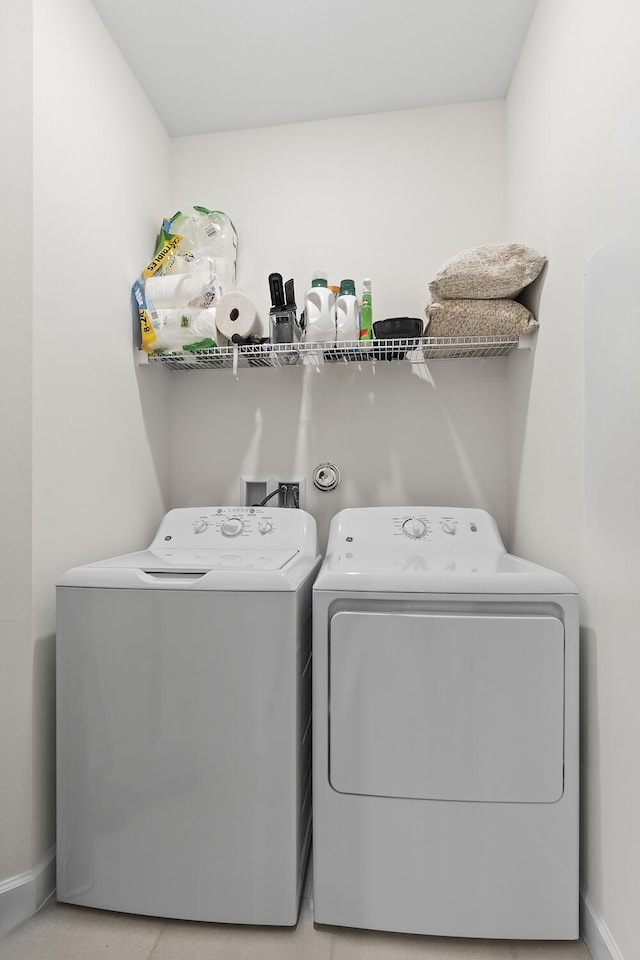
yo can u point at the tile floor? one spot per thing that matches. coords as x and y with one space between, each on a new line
63 932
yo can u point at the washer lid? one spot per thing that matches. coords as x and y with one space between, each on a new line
196 570
168 561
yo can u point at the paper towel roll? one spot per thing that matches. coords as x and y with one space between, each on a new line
236 314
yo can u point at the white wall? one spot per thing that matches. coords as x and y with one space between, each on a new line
389 196
398 435
573 148
16 114
101 175
99 478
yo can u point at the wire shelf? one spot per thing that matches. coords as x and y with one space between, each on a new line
412 350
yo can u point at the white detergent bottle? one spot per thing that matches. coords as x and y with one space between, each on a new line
347 312
320 314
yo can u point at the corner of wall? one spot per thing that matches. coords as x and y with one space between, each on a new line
595 932
23 895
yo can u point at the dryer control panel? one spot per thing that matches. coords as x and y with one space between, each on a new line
437 529
245 527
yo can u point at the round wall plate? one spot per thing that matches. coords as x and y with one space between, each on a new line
326 476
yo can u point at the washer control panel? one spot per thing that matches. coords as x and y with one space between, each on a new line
246 527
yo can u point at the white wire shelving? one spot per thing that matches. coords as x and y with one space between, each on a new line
413 350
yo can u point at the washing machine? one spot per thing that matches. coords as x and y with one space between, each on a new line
184 720
445 725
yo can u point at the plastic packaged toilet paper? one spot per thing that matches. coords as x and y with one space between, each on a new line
178 290
176 330
236 313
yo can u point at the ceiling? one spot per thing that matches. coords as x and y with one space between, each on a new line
210 65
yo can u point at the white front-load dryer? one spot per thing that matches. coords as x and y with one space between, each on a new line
445 706
184 720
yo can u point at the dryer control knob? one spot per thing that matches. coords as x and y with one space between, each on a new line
414 529
200 526
265 526
448 526
232 527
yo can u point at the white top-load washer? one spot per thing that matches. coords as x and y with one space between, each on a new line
183 720
445 703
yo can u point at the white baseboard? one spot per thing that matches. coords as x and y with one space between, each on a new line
21 896
595 932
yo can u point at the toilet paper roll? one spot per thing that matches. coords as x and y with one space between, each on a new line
236 313
177 290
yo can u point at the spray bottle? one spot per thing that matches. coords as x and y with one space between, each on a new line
366 311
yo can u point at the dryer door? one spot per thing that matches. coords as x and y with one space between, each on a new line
447 707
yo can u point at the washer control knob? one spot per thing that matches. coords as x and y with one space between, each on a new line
232 527
414 529
200 526
449 526
265 526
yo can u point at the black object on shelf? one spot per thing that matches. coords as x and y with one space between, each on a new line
406 329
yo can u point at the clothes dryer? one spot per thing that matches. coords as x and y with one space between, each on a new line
183 720
445 705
